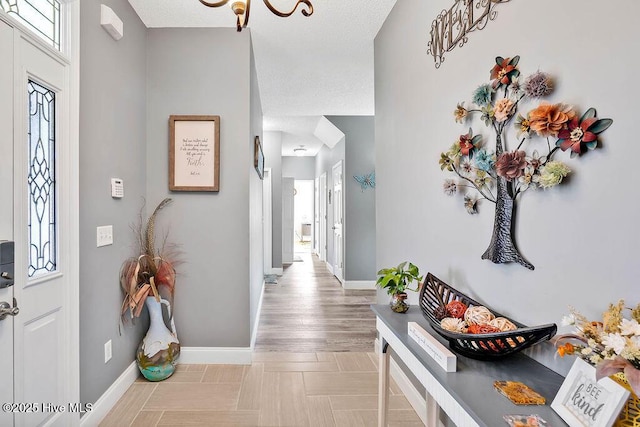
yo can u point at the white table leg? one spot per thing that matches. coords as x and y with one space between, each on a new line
383 384
433 411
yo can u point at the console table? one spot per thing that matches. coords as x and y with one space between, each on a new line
466 396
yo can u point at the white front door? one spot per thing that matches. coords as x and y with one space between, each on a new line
322 239
36 140
288 186
338 221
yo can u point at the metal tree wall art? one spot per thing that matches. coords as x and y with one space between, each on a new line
500 176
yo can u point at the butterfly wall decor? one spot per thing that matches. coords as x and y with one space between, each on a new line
366 180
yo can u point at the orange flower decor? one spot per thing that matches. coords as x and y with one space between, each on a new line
550 119
566 349
502 109
504 71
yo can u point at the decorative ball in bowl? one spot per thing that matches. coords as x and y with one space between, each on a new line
472 329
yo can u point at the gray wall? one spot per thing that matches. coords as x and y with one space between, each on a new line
583 237
256 261
299 167
273 159
360 218
201 72
112 144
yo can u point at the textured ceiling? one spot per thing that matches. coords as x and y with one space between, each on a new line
320 65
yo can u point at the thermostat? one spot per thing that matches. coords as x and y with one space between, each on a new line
117 188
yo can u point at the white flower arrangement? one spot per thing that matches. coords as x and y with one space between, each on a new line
612 344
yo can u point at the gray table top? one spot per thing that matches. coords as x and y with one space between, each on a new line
472 385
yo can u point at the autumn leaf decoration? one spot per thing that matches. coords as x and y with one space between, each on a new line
149 274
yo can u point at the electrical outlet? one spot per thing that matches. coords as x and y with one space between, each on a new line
104 235
107 351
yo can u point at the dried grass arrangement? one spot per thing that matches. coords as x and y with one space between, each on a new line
152 272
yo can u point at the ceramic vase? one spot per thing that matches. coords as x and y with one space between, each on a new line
159 350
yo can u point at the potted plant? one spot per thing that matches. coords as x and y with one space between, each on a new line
397 280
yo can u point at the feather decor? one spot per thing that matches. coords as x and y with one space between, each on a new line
151 272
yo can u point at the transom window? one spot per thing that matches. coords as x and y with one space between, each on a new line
41 16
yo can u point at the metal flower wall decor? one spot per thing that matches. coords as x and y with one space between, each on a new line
366 181
501 175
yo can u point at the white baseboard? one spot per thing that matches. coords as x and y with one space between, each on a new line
278 271
329 267
359 284
256 322
110 397
215 355
417 401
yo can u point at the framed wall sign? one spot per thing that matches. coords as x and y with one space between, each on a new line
194 153
584 402
258 157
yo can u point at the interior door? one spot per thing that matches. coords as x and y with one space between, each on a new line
267 226
338 221
322 238
288 185
36 139
316 215
6 216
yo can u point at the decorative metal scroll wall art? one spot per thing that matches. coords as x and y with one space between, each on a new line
451 27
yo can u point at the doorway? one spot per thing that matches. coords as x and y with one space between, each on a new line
288 235
322 213
267 226
303 218
338 221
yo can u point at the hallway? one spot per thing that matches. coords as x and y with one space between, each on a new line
308 311
313 366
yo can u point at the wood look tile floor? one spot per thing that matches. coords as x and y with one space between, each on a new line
313 366
308 311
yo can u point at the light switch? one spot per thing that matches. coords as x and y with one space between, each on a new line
104 235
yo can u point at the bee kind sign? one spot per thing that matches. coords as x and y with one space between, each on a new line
584 402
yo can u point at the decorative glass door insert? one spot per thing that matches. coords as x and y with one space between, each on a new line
41 181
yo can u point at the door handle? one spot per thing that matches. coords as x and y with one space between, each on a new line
7 310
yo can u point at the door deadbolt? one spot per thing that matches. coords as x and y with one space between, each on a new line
5 280
7 310
6 264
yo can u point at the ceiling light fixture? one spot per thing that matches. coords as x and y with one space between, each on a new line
242 9
299 151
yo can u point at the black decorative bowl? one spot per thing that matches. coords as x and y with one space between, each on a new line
491 346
